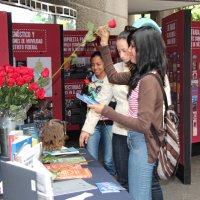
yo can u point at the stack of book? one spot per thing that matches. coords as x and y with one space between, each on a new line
63 171
64 164
22 140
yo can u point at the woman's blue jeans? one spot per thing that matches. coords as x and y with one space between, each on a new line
102 133
140 172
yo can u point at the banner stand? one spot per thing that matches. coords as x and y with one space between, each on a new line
176 30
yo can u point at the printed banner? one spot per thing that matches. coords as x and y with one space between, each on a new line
195 81
29 40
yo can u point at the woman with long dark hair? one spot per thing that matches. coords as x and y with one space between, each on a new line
145 98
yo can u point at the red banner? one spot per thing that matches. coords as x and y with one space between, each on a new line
195 81
40 46
5 32
174 35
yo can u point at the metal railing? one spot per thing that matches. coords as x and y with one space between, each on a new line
44 7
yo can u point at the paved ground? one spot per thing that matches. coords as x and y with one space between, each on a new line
175 190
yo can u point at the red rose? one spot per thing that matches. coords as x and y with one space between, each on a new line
45 73
27 78
30 70
86 81
112 23
2 78
2 68
2 81
9 69
33 86
2 73
13 75
40 93
20 81
24 70
11 82
17 70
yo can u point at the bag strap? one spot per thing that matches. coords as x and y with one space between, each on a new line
163 91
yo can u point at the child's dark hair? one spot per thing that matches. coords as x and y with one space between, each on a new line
96 53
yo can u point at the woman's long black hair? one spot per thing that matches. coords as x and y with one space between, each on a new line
150 54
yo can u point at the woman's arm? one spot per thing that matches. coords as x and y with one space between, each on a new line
146 108
121 78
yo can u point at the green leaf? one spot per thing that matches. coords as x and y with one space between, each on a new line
74 59
43 82
90 26
90 36
83 43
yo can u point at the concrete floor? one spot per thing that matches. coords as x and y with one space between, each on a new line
176 190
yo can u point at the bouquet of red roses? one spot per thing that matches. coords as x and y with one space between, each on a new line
19 90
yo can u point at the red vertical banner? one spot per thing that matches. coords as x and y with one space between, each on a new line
195 80
176 30
5 38
39 46
74 76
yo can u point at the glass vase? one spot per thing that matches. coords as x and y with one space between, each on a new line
6 126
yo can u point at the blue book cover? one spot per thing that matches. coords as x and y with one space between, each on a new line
86 99
19 143
30 129
64 151
108 187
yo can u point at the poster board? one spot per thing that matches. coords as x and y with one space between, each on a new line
195 80
6 56
176 30
73 78
39 46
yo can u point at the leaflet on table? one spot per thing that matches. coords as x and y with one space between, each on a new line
71 186
86 99
108 187
64 151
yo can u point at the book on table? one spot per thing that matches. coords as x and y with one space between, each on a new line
12 136
27 154
31 130
67 159
18 144
62 171
63 151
